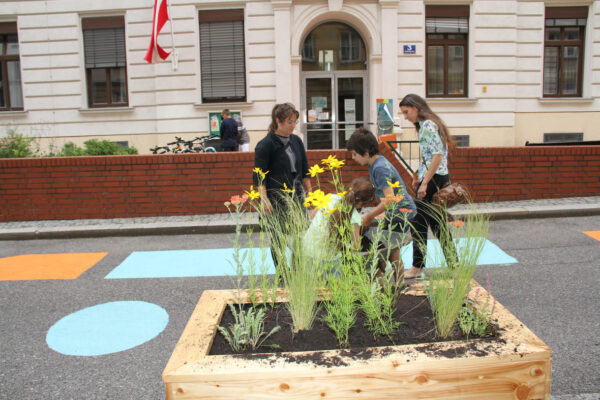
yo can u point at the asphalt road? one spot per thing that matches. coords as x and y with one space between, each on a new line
554 289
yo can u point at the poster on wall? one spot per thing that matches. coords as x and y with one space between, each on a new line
385 119
349 116
319 103
214 122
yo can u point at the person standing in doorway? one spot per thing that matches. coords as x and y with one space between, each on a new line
229 131
243 137
434 143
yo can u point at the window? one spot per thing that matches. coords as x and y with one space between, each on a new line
563 137
447 31
563 51
350 45
222 59
462 140
105 63
11 94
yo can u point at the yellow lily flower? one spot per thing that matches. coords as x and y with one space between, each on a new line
315 170
327 161
286 190
252 194
260 172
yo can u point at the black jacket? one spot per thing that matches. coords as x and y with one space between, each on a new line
270 156
229 132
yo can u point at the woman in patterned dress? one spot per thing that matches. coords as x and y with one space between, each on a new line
434 142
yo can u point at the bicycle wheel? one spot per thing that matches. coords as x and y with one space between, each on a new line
210 150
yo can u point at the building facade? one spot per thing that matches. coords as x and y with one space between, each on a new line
499 72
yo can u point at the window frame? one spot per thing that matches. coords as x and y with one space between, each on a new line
450 11
9 29
92 23
576 12
223 15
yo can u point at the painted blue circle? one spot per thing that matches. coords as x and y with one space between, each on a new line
107 328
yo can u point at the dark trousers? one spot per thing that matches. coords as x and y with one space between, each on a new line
430 216
230 148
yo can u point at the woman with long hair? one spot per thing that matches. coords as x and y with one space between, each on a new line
435 142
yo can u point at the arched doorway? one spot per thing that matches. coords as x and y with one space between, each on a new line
334 84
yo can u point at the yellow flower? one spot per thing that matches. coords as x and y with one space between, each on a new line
260 172
318 199
329 160
332 162
329 211
286 190
322 202
252 194
342 194
315 170
394 185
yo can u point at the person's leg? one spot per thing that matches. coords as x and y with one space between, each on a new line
397 265
439 227
419 234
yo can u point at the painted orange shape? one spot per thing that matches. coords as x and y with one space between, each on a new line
47 266
593 234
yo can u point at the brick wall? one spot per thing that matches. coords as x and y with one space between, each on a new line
153 185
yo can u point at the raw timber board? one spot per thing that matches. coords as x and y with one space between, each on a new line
516 366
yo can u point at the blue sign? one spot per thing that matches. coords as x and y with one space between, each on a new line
410 48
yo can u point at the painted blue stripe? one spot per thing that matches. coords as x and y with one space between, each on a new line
184 263
490 254
218 262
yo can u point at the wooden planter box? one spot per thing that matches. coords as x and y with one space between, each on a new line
516 366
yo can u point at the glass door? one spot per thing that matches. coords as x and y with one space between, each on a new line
319 113
350 106
334 106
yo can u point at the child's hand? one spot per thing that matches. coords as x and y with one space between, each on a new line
366 221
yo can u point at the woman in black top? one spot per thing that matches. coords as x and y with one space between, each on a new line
282 154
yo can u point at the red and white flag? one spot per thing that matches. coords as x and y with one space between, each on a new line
158 21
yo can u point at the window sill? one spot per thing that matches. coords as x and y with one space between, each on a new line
105 110
565 100
221 106
452 100
14 114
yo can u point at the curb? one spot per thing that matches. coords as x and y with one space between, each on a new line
190 228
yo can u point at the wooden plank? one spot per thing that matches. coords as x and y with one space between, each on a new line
518 365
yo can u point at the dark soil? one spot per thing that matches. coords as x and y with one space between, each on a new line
414 312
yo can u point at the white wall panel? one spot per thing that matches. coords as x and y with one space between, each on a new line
494 49
53 88
50 61
260 64
495 35
493 21
56 47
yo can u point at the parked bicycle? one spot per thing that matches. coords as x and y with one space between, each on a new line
197 145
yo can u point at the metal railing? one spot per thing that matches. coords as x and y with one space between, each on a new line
402 148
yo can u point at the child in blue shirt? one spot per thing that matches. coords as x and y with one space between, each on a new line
389 188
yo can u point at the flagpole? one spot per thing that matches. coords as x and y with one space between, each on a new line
175 55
